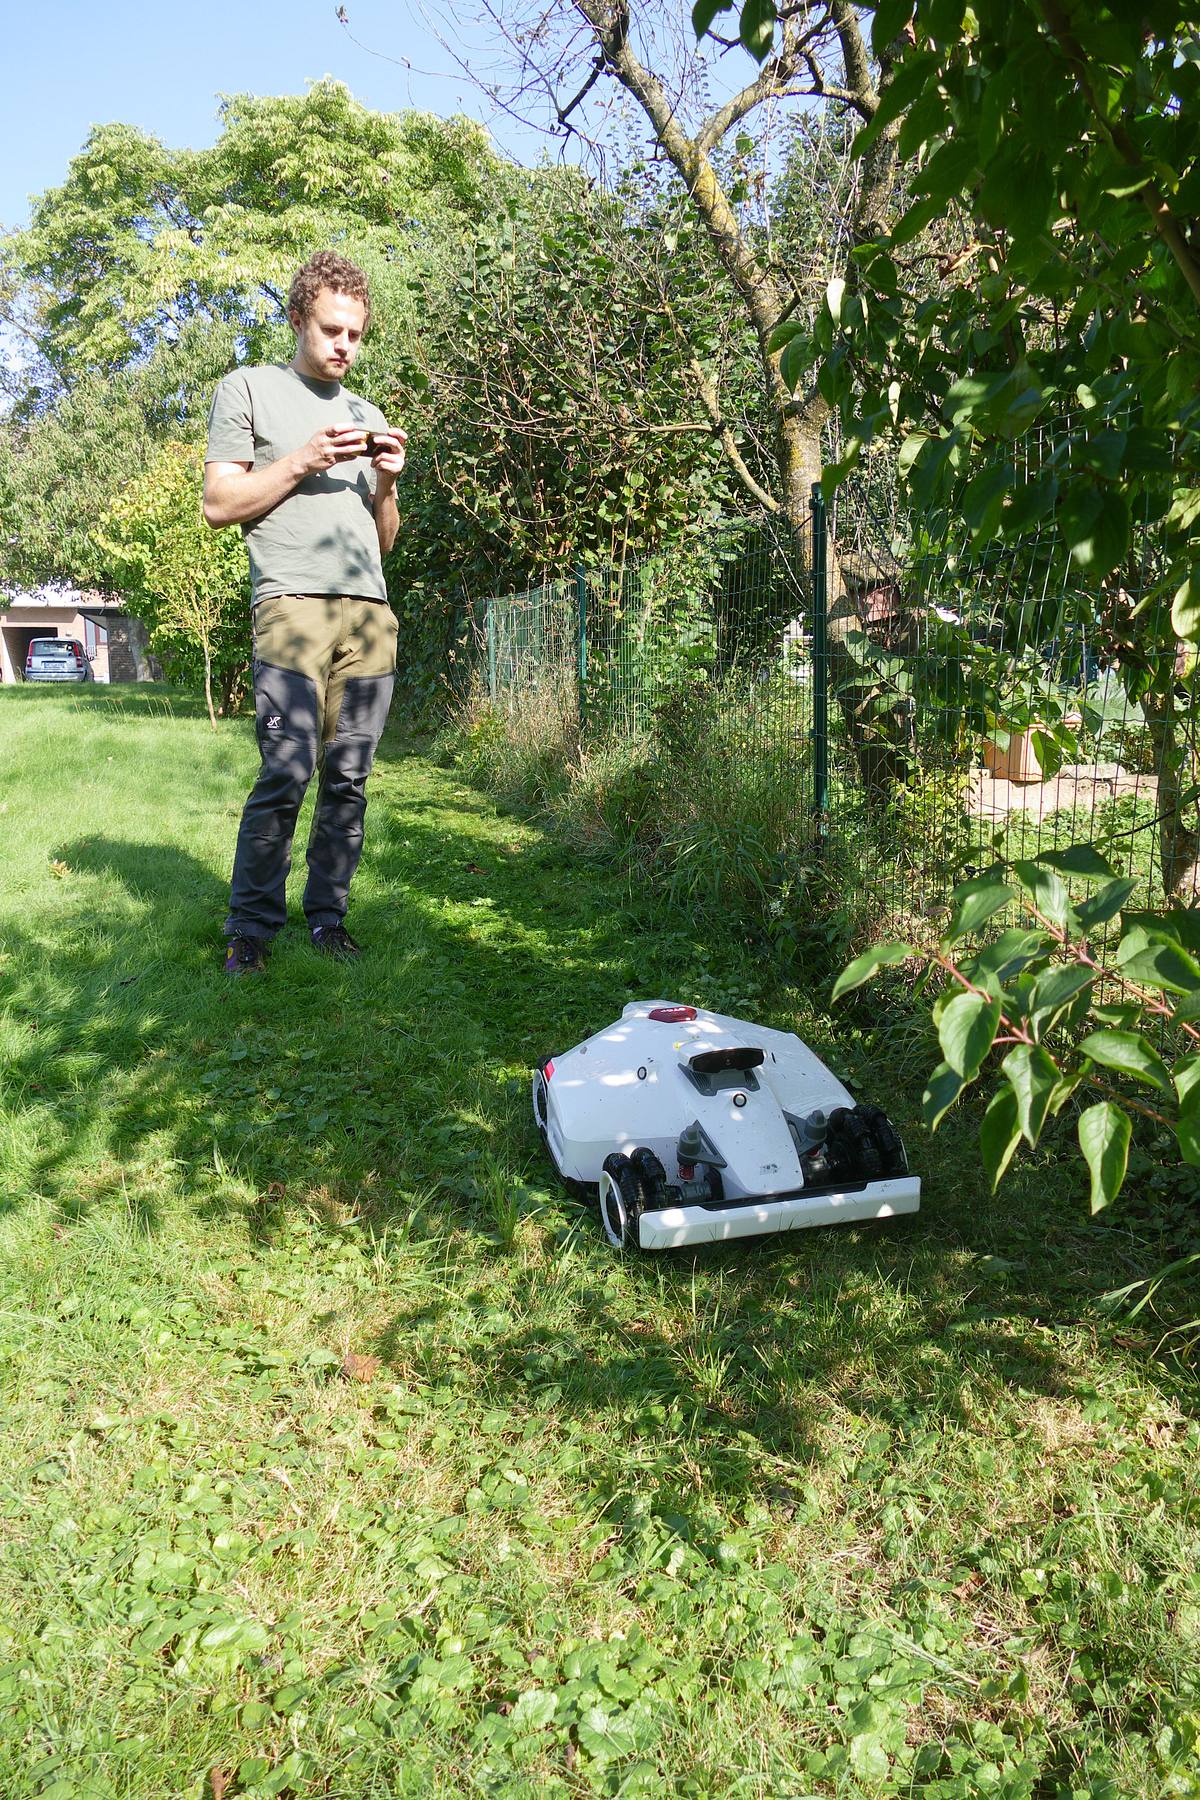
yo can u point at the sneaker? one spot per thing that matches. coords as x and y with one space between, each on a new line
334 941
246 956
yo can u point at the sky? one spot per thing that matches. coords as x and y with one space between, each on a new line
73 64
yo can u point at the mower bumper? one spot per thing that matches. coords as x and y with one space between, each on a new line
678 1225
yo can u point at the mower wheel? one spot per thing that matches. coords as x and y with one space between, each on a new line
856 1155
540 1098
652 1178
887 1140
620 1201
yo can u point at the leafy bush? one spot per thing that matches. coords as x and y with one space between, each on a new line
1079 1018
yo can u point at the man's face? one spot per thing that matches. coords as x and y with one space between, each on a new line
327 342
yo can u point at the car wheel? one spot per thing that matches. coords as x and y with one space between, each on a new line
620 1202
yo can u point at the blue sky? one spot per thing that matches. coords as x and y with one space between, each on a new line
73 65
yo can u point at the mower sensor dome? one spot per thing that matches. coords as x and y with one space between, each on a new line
690 1127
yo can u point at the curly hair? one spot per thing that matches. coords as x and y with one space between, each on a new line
327 270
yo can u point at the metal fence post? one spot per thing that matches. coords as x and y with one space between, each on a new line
491 642
820 590
581 607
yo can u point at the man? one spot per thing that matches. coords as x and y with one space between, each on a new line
289 461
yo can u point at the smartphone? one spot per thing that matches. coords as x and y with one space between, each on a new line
374 444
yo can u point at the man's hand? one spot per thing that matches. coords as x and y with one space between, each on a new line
387 463
336 444
390 448
235 493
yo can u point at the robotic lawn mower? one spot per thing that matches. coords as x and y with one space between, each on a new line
694 1127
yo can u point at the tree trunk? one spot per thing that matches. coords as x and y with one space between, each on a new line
1178 821
208 693
874 730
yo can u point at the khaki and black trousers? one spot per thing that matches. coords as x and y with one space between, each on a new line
324 670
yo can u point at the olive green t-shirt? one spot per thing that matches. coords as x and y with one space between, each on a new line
320 539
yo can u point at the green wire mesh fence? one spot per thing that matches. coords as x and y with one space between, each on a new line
923 712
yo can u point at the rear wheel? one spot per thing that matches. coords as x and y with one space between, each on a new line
887 1140
855 1155
652 1178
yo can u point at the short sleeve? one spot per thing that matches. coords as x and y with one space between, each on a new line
231 421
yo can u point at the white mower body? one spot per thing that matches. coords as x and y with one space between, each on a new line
695 1127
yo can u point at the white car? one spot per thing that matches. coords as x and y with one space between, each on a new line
693 1127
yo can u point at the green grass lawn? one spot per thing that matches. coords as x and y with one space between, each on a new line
340 1456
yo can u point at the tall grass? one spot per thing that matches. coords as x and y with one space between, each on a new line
708 800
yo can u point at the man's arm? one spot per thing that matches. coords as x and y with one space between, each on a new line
235 492
387 465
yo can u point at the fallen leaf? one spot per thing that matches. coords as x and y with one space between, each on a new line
276 1190
58 868
475 869
218 1782
359 1368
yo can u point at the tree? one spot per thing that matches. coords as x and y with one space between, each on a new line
1066 137
188 583
150 272
564 59
61 467
551 423
141 240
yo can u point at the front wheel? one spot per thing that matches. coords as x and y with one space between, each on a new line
620 1202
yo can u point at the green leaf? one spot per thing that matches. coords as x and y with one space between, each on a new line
966 1030
1033 1077
891 16
999 1134
942 1090
1164 966
1049 896
910 449
974 902
534 1710
757 30
1186 1075
1054 990
783 334
705 11
1007 955
913 222
795 359
1078 859
868 1758
880 956
1105 905
1104 1134
1185 609
1095 525
1129 1054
